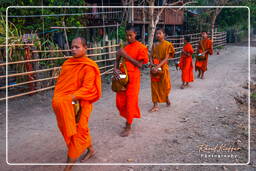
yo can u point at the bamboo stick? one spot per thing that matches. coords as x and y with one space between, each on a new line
106 72
27 93
46 51
31 72
27 82
17 45
55 58
106 66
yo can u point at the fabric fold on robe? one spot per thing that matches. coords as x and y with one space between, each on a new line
79 77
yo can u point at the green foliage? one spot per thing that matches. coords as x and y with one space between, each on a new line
253 96
236 18
40 24
252 5
121 33
220 47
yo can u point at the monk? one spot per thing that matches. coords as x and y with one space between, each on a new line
79 82
135 54
205 49
160 76
185 64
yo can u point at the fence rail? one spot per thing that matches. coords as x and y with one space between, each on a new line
219 39
42 79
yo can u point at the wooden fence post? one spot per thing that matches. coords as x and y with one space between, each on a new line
29 67
35 55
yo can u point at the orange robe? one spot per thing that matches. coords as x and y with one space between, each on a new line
80 77
186 64
161 86
206 44
127 101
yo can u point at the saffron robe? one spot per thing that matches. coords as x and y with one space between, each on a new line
127 101
79 77
205 44
186 64
161 87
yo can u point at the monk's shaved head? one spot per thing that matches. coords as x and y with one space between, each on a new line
78 47
83 41
130 28
130 34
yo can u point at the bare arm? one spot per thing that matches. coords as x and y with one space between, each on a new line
134 61
151 56
122 53
117 61
163 61
116 70
186 53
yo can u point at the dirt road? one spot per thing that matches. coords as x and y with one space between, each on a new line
205 114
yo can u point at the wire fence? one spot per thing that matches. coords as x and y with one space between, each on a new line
36 78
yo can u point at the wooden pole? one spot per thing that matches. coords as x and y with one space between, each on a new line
27 82
17 45
66 36
46 51
55 58
27 93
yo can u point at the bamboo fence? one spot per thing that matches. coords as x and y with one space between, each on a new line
103 55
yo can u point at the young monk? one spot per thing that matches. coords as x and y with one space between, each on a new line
135 54
160 83
205 49
185 64
79 81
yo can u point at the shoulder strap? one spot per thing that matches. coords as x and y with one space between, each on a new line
124 64
201 44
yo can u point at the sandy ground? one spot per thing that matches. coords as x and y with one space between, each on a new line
206 114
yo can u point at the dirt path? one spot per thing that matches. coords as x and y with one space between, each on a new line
206 113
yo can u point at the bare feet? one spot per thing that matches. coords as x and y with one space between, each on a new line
90 153
202 76
154 109
199 75
127 130
182 86
69 167
168 103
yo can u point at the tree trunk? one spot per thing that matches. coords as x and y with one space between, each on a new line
212 26
143 26
151 27
214 17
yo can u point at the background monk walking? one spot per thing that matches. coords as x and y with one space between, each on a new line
79 82
160 76
135 54
204 48
186 63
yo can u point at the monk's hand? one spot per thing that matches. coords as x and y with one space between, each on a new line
185 53
116 73
205 52
154 70
74 99
122 53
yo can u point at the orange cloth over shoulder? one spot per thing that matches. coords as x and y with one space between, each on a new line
127 101
79 77
161 87
205 44
186 64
